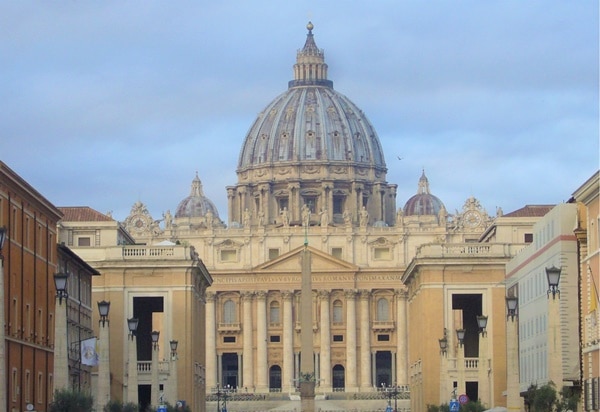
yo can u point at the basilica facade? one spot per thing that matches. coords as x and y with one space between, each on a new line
312 173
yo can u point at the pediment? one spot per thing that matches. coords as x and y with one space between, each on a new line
292 261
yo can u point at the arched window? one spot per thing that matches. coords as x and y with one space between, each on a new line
229 315
338 316
338 378
383 310
274 313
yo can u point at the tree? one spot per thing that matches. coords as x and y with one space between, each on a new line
66 400
118 406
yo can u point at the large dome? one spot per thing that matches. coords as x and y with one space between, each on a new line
311 123
311 147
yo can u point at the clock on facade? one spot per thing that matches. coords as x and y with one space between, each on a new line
472 218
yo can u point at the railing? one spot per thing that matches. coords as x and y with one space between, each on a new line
379 325
229 327
139 251
468 249
145 367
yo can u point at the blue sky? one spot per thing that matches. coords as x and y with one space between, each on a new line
104 103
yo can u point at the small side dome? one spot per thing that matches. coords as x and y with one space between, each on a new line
196 204
423 203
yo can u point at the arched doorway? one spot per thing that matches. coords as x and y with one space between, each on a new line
339 378
275 378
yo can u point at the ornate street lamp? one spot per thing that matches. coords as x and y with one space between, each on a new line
553 275
482 323
60 282
512 303
172 383
392 393
155 335
443 343
103 309
103 382
61 360
132 373
132 324
173 344
460 334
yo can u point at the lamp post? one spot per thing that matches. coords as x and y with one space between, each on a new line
392 393
225 396
513 398
103 392
484 364
460 334
172 384
61 361
155 389
482 323
553 276
218 398
132 384
443 342
555 373
512 304
3 388
222 394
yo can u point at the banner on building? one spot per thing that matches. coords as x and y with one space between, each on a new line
89 355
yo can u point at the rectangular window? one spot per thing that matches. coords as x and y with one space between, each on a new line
283 203
336 252
228 339
275 338
228 255
383 338
273 254
381 253
40 388
338 338
84 241
338 205
528 238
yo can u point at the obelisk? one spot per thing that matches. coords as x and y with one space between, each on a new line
307 366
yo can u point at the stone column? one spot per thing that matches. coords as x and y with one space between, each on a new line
248 359
513 399
555 372
132 381
262 384
288 343
61 360
211 341
351 373
103 391
325 368
365 341
483 367
401 338
155 388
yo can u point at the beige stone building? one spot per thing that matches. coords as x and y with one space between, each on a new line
163 287
588 237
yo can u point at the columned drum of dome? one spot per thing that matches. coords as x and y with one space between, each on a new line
311 145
